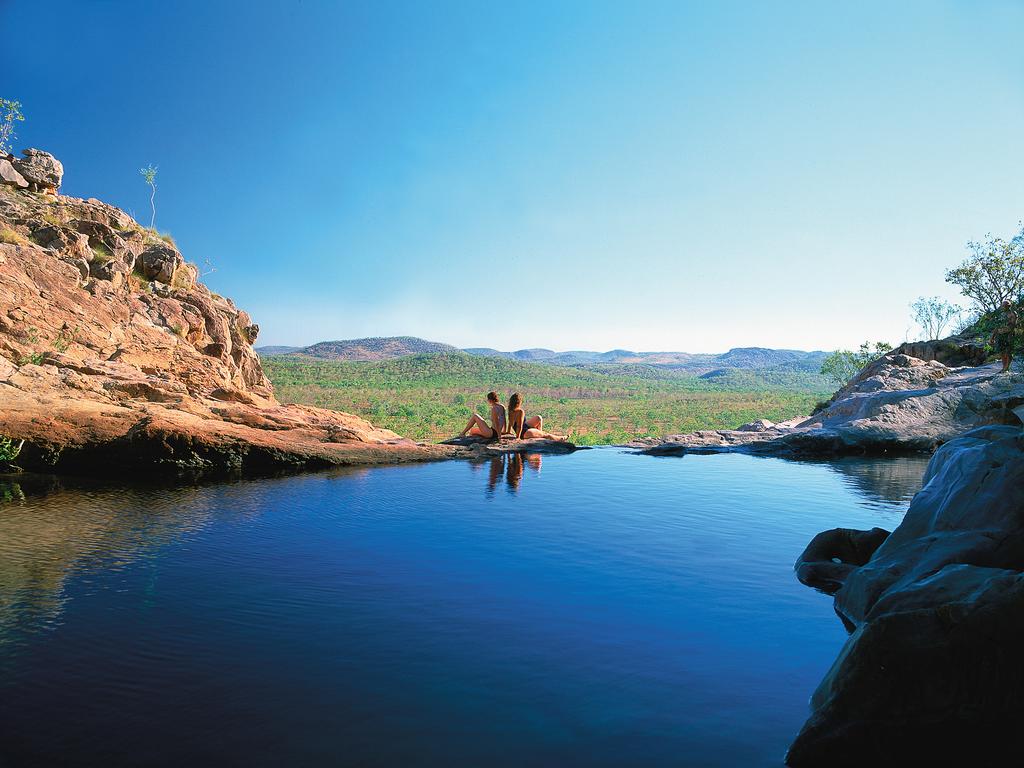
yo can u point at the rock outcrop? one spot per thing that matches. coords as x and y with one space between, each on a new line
897 404
115 358
932 673
484 447
41 170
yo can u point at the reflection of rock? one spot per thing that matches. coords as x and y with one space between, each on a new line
45 540
932 674
893 481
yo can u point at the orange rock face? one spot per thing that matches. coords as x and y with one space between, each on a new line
114 358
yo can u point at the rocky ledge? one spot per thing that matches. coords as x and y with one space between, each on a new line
932 672
114 357
483 447
897 404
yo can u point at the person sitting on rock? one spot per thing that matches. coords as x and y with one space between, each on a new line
477 427
527 428
1004 337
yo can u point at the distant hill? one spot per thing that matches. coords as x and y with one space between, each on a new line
374 348
750 366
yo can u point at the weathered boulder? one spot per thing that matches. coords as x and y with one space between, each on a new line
159 261
66 241
833 555
9 175
970 510
897 404
41 170
961 350
933 673
759 425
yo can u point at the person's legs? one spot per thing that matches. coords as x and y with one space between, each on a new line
477 427
535 430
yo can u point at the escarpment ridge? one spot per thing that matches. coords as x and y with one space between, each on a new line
114 357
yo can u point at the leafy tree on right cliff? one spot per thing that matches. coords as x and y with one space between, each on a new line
843 364
10 113
993 273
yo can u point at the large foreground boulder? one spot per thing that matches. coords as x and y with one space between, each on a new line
933 673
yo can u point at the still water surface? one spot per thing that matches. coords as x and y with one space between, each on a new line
594 609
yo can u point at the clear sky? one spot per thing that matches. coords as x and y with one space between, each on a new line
588 175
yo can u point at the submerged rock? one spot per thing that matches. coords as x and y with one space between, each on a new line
933 672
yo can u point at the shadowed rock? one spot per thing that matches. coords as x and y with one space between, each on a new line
832 555
933 673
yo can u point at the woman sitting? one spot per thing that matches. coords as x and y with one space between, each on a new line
477 427
527 428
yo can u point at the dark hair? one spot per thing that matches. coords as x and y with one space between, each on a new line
492 396
514 402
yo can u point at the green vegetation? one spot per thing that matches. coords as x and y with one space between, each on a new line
100 253
154 234
430 397
11 237
10 113
993 273
9 449
843 364
933 314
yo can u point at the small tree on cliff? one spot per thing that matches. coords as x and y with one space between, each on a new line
149 174
993 273
843 364
933 314
10 113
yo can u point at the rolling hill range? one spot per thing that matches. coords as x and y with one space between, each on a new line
369 349
622 361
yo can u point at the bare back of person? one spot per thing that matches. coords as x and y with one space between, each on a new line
478 427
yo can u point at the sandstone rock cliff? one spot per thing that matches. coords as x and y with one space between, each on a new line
114 356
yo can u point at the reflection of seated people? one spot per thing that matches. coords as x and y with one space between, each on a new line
514 474
494 475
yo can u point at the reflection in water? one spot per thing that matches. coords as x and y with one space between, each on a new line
512 466
286 622
44 540
886 482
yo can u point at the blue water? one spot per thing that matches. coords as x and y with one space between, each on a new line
594 609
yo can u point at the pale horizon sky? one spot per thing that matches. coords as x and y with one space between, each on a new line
576 175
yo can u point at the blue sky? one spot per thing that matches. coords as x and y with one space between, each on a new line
590 175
